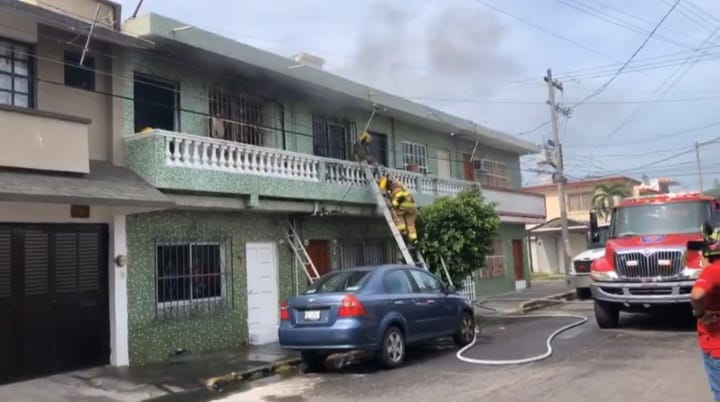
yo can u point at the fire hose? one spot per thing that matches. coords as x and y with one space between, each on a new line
580 320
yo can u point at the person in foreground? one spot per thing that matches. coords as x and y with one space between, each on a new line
705 300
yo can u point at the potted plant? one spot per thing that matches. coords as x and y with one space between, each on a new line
413 167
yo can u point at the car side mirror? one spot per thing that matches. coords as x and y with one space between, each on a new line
594 229
449 289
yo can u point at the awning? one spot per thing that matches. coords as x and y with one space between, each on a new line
554 225
106 184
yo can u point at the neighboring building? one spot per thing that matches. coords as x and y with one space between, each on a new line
546 240
64 195
654 186
150 191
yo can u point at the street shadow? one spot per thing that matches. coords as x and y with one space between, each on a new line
416 355
670 320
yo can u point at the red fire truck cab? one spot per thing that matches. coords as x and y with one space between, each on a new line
646 262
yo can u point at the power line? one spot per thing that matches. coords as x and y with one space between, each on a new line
589 10
642 45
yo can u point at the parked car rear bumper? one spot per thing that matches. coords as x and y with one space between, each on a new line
580 281
343 335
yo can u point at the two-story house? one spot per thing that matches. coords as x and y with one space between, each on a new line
150 180
546 240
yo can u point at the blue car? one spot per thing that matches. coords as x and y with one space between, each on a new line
380 309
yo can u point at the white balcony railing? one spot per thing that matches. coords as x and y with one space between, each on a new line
205 153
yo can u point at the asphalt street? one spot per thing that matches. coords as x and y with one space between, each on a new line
648 359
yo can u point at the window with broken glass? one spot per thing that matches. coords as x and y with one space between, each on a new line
16 74
192 277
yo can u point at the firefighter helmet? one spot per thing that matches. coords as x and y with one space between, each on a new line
382 183
364 137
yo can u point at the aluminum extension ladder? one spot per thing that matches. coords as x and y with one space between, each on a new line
383 206
299 251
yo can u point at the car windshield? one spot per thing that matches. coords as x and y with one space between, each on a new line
656 219
342 281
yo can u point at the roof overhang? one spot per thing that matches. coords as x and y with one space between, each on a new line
176 36
106 184
68 23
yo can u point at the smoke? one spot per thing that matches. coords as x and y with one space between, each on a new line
445 48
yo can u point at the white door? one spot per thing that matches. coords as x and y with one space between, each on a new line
262 289
443 161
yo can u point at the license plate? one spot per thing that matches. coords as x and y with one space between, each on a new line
312 315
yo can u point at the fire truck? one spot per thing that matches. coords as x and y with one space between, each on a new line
646 265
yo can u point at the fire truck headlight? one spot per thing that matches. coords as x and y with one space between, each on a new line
691 273
604 276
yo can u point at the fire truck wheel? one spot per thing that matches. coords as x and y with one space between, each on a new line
607 315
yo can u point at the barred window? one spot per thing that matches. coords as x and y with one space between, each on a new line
414 155
494 263
368 252
16 74
331 137
491 173
192 277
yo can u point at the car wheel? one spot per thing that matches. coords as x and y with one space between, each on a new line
466 332
607 315
312 361
392 352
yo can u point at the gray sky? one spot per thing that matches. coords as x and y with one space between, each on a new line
474 59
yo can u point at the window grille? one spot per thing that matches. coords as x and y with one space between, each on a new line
413 153
368 252
491 173
238 118
192 277
494 263
331 137
16 74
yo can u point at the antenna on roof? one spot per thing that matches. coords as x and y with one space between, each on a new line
137 8
92 28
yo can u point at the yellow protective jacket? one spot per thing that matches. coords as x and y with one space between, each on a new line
400 197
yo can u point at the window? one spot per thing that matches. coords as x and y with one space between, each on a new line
397 282
426 283
491 173
379 148
16 74
331 137
494 263
579 201
340 281
192 277
155 104
236 118
78 76
414 157
366 252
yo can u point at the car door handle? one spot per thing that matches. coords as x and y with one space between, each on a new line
399 301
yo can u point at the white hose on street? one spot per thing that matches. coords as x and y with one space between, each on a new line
548 343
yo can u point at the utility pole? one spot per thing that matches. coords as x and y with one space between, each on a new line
559 175
697 156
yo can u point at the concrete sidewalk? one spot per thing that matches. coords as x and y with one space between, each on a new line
129 384
524 300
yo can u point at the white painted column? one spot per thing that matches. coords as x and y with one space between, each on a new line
119 355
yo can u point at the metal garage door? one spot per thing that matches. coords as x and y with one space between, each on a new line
53 299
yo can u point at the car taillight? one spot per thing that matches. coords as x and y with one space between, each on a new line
284 312
351 307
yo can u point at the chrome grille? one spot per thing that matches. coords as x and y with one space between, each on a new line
650 263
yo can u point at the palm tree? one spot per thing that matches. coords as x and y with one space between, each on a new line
605 197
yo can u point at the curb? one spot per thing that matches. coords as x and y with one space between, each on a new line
531 305
216 383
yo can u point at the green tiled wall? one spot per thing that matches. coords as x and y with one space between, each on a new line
154 339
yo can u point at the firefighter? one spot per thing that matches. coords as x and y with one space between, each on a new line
403 209
362 148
